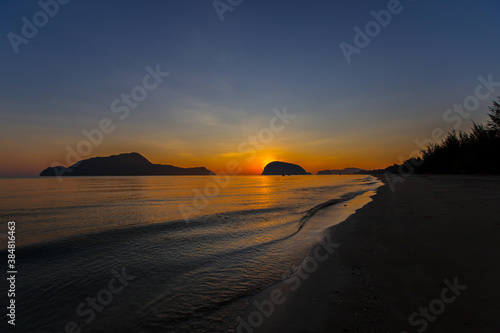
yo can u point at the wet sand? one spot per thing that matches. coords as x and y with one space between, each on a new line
422 258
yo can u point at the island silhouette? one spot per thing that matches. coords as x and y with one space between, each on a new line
346 171
127 164
277 168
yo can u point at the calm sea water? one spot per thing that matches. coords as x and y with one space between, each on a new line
120 254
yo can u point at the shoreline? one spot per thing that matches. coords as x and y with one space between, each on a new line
397 257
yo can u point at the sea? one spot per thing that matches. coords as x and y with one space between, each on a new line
160 253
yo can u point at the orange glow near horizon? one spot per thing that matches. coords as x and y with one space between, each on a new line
24 161
32 165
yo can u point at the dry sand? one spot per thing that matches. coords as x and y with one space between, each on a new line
394 257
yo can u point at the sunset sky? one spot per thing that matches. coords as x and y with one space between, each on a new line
226 77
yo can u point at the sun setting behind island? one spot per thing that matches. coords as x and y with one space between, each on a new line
249 166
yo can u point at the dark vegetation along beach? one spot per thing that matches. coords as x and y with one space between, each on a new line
463 152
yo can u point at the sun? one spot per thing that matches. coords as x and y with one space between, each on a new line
266 160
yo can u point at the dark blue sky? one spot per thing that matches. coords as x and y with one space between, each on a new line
226 77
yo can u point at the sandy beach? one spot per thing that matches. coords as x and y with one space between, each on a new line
422 258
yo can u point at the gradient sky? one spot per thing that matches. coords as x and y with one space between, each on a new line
227 76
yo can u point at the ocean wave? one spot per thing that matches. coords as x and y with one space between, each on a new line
311 212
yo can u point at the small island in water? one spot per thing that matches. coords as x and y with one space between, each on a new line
346 171
282 169
127 164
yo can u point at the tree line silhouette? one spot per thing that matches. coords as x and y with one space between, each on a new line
476 151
